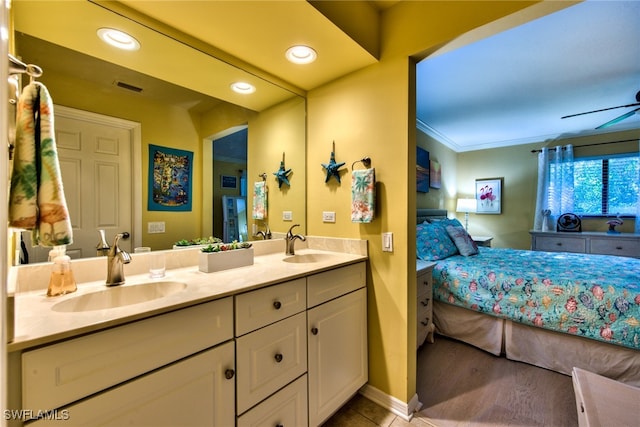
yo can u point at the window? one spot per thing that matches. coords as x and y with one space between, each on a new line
606 186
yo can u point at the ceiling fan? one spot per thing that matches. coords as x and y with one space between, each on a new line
617 119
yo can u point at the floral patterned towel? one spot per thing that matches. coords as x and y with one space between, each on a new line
260 200
594 296
363 195
36 200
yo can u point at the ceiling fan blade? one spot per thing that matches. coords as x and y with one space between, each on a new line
618 119
602 109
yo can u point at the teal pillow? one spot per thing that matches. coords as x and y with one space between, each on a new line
433 242
465 244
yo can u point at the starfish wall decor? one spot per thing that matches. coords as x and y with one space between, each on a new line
332 167
282 174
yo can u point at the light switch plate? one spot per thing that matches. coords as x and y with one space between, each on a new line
287 216
328 216
155 227
387 242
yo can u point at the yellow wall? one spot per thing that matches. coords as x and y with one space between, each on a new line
162 125
277 130
372 113
519 168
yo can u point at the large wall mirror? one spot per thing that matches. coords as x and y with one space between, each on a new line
168 94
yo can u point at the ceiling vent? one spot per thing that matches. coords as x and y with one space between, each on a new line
128 86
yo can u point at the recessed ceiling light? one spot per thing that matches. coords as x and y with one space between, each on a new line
301 54
243 87
118 38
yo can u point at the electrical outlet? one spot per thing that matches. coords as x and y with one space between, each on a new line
287 216
387 242
155 227
328 216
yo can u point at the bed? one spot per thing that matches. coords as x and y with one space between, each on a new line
553 310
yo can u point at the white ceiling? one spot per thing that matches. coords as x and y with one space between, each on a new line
514 87
507 89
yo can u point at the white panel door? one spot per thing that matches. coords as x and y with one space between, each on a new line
96 166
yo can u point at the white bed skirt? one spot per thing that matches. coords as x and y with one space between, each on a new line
540 347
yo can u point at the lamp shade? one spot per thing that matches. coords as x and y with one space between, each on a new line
467 205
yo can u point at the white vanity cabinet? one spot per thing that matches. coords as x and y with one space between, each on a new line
337 328
271 342
129 374
196 391
288 353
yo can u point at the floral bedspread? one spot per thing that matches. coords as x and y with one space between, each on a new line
594 296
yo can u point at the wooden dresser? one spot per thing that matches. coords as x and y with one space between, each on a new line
588 242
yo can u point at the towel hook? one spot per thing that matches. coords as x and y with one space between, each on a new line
263 175
366 161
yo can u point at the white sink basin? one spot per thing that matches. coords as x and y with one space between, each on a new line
309 258
119 296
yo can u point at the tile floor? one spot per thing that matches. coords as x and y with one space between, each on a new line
361 412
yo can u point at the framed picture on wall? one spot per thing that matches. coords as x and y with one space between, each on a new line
228 181
422 170
489 195
170 172
435 174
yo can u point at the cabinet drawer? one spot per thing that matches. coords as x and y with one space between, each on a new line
560 244
62 373
424 284
151 400
270 358
331 284
620 247
288 407
264 306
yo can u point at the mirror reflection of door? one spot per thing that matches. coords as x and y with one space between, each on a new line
95 154
229 184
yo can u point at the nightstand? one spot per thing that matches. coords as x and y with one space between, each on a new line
424 293
482 240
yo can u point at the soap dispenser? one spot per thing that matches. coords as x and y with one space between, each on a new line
62 280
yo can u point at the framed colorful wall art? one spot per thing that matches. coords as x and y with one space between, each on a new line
170 179
489 196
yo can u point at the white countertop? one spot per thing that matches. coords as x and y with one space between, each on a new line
38 323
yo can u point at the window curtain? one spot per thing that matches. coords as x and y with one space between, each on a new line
555 186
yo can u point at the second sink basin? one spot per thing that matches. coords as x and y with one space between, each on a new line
119 296
309 258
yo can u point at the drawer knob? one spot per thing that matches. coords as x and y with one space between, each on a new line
229 373
425 302
619 248
314 330
558 243
278 357
425 322
277 305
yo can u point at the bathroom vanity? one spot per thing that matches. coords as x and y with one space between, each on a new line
281 342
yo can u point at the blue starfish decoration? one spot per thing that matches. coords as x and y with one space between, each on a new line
281 175
332 168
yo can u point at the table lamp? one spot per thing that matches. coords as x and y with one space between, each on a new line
466 206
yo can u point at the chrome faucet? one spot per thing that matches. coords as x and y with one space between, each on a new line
116 258
266 234
290 240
